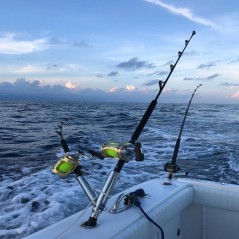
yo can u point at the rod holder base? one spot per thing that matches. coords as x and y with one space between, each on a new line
90 224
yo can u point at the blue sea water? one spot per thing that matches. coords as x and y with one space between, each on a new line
32 197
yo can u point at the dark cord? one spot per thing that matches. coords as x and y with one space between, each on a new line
138 204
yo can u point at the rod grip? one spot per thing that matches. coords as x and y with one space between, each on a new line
143 121
175 152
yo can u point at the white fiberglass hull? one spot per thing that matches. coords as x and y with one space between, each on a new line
184 208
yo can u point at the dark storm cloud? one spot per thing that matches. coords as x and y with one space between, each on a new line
134 64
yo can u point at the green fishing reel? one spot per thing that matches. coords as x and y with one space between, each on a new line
117 150
122 151
66 165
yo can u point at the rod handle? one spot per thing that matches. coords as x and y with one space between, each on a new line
143 121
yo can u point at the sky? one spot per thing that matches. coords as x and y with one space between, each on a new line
117 51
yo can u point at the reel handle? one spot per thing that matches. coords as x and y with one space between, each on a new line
96 154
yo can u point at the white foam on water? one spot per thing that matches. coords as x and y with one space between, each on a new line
36 201
233 162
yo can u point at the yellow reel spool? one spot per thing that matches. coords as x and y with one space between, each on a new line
65 165
115 150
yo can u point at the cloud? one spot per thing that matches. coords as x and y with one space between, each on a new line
207 65
168 63
134 64
159 73
26 90
52 66
211 77
10 45
184 12
113 73
127 88
236 95
230 84
114 89
130 87
70 85
151 82
99 75
57 41
81 44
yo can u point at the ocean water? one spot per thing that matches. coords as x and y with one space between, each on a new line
32 197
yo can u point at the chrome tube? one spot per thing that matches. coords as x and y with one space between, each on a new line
105 194
89 191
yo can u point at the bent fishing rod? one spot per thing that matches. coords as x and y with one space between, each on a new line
153 104
172 167
115 150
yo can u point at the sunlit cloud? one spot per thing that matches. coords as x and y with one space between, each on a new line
185 12
236 95
130 87
114 89
70 85
10 45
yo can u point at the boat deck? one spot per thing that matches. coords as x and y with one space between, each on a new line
184 208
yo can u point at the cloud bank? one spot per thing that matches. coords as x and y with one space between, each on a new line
23 89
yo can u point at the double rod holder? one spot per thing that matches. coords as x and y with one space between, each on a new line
99 201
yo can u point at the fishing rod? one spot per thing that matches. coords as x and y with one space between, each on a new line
118 150
69 163
153 104
172 167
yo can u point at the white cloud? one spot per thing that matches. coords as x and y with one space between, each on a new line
70 85
130 87
10 45
31 69
113 89
185 12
